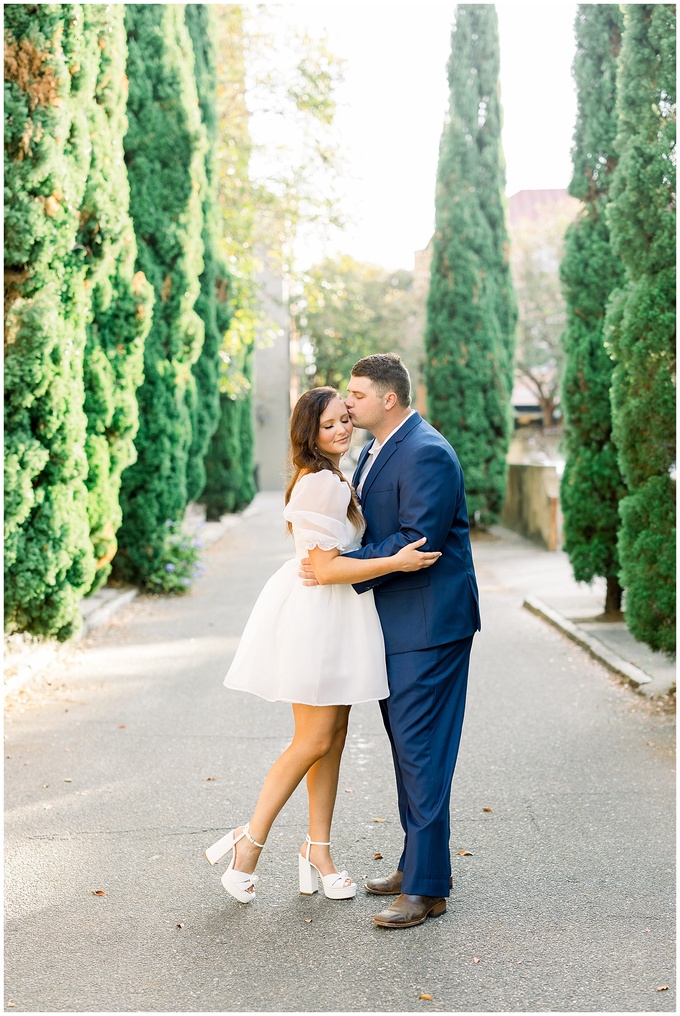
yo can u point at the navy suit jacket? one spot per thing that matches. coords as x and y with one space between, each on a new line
415 488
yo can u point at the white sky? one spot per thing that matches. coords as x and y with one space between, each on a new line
393 101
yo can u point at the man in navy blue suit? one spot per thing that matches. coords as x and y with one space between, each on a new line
411 485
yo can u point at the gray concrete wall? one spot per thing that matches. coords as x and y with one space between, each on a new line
532 505
272 384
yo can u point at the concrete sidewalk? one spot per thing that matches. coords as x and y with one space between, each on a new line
545 581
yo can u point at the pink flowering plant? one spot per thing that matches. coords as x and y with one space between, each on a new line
178 564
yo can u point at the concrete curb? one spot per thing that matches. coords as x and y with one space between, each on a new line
636 677
35 659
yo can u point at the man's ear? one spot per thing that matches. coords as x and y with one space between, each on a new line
390 400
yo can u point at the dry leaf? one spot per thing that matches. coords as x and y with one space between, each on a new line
377 857
98 892
664 987
121 726
179 925
475 959
465 853
45 786
11 1005
67 780
209 779
308 920
428 998
380 820
487 809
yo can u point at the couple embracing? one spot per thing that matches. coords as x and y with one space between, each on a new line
380 603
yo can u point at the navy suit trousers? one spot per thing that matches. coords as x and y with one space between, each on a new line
423 717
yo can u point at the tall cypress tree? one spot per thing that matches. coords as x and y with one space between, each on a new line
230 483
592 485
164 152
471 309
213 302
49 80
229 461
640 320
121 298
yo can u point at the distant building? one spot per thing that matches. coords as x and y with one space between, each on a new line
537 205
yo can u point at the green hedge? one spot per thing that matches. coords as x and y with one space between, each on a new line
212 305
230 484
121 298
641 319
165 153
49 561
592 485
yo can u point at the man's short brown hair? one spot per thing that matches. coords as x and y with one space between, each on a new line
387 372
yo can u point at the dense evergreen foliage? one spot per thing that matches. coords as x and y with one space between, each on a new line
212 304
230 483
641 319
471 309
165 153
592 485
229 461
121 298
49 81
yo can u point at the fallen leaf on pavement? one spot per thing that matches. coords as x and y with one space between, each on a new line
428 998
380 820
475 959
664 987
68 780
465 853
377 857
179 925
98 892
11 1005
308 920
209 779
121 726
487 809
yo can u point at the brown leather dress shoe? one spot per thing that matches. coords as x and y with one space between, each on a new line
407 911
389 885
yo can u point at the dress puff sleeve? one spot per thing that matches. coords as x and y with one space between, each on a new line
317 510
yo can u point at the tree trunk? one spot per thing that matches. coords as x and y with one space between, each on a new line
612 603
548 411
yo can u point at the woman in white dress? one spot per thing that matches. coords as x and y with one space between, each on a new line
317 647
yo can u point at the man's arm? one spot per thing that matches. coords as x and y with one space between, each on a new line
430 486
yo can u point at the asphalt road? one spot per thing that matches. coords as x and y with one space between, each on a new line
133 758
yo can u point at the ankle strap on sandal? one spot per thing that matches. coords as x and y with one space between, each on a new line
317 843
246 833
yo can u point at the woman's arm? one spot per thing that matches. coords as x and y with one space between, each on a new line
332 568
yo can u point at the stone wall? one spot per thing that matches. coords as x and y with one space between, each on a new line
532 506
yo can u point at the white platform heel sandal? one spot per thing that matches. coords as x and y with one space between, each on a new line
237 883
333 885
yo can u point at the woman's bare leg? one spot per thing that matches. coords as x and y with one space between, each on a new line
314 737
322 788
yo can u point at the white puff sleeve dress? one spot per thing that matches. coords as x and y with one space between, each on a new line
315 645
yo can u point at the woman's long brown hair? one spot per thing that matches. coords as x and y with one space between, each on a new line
306 457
